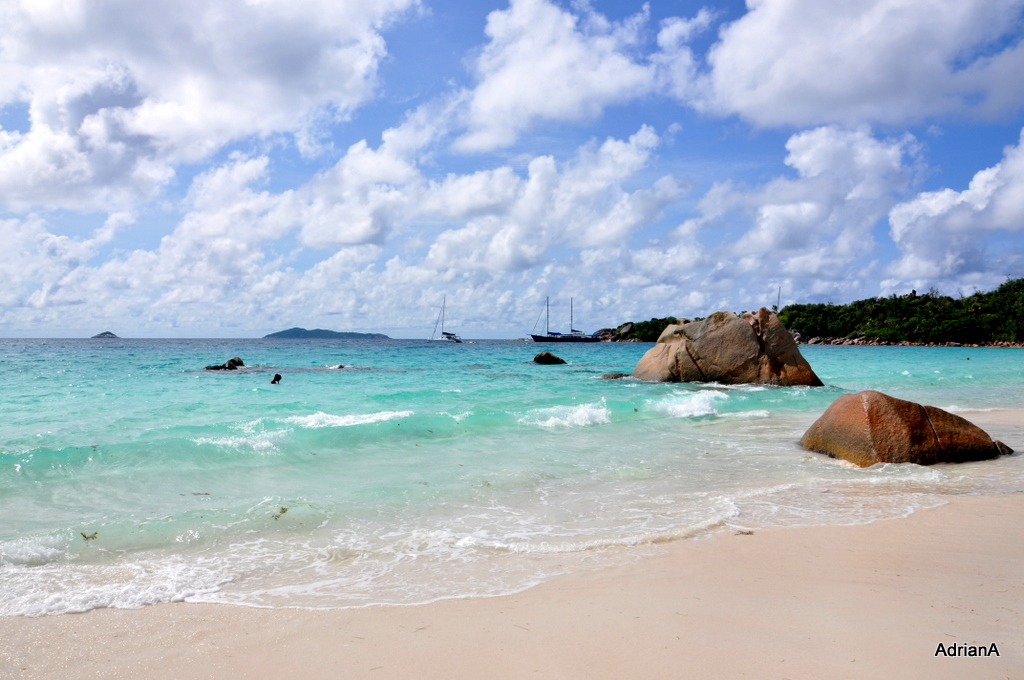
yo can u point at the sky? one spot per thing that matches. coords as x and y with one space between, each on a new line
231 168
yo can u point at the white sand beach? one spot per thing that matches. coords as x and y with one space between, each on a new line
867 601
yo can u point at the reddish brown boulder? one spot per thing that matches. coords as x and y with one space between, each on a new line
729 349
871 427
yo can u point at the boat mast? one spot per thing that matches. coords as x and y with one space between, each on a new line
570 317
547 315
433 333
444 299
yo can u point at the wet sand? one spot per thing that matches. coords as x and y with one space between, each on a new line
869 601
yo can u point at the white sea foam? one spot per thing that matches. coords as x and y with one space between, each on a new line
321 419
569 416
690 405
54 589
260 442
32 552
745 415
967 409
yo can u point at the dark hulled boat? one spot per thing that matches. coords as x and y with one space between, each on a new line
572 336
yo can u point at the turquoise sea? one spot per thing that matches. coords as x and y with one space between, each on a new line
130 476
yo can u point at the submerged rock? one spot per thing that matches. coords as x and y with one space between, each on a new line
728 349
870 427
548 358
615 376
230 365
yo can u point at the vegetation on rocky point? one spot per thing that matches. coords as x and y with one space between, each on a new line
980 318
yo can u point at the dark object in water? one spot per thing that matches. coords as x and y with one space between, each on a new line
548 358
277 379
90 536
230 365
616 376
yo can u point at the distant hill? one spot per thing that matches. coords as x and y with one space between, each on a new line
105 334
320 333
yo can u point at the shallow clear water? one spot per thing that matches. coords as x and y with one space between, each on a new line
129 476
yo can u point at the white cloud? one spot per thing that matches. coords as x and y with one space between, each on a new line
479 237
224 205
119 97
120 91
543 62
801 62
359 199
469 235
943 235
812 232
581 205
677 65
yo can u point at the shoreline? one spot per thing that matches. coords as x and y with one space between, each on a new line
861 601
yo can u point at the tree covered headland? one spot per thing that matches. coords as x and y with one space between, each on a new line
930 318
639 331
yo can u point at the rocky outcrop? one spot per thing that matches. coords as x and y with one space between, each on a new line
729 349
644 331
878 342
871 427
548 358
230 365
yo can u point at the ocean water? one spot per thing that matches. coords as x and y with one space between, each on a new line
130 476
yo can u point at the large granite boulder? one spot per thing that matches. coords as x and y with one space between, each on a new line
729 349
871 427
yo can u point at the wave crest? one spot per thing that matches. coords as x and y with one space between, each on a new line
580 415
321 419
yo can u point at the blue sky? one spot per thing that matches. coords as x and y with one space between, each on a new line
229 168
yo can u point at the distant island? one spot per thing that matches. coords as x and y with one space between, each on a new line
320 333
992 318
105 334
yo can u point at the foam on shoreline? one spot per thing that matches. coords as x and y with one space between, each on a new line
862 601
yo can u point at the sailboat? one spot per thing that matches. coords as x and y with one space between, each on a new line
445 335
572 336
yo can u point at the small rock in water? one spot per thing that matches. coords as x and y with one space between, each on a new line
548 358
615 376
276 380
231 364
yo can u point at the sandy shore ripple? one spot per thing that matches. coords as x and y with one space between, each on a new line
869 601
